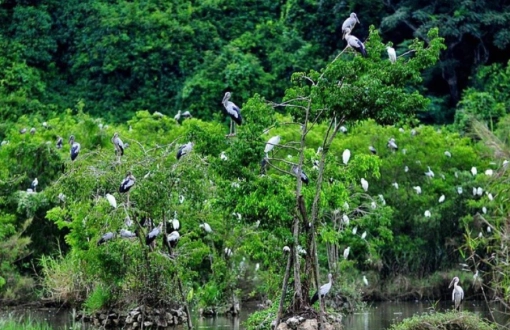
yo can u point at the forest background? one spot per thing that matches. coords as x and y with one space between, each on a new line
92 68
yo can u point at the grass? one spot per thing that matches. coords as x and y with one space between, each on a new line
23 324
445 321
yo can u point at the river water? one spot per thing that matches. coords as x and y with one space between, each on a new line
378 316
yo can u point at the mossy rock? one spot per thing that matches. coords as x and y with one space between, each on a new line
446 321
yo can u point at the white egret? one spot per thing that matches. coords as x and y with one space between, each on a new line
346 156
429 173
365 281
346 252
392 144
417 189
394 184
111 199
479 191
345 219
364 184
205 226
489 172
343 129
473 170
223 156
442 198
392 55
459 190
448 154
427 214
354 230
484 210
275 140
364 235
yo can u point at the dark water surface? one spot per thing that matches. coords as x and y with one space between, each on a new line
378 316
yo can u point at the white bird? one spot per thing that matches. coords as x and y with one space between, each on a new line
346 206
346 156
364 184
442 198
300 250
343 129
124 233
406 169
286 249
394 184
392 55
345 219
173 238
372 150
205 226
128 222
457 294
428 214
349 24
153 234
479 191
381 197
106 237
365 281
111 199
233 111
184 149
119 145
392 144
34 184
489 229
228 252
45 124
223 156
373 205
456 175
459 190
505 163
257 267
181 199
354 230
364 235
175 222
429 173
275 140
404 151
489 195
177 117
489 172
417 189
346 252
355 43
473 170
32 130
323 290
447 154
484 210
413 132
186 115
474 191
480 235
62 197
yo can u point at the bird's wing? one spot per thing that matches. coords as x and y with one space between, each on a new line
461 293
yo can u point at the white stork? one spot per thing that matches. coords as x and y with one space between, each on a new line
323 290
184 149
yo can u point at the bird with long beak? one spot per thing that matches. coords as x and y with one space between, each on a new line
457 293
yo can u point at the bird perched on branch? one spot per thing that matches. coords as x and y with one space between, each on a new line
75 147
184 149
324 289
153 234
127 183
106 237
119 145
233 111
355 43
349 23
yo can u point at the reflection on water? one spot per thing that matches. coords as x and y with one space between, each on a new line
378 317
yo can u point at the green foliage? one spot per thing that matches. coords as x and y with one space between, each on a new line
448 320
98 299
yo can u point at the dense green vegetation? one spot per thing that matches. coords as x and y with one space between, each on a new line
448 321
120 57
127 67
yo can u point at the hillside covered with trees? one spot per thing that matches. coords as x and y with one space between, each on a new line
405 163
